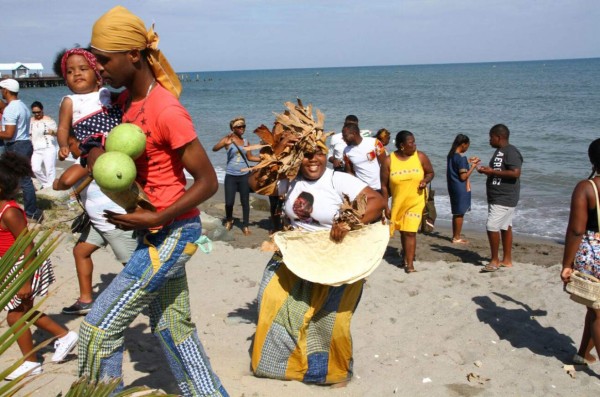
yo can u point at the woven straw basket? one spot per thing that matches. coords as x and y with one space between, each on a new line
584 289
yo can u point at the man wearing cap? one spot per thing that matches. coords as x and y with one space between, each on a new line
15 133
154 279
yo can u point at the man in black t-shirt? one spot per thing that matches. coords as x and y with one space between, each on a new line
502 186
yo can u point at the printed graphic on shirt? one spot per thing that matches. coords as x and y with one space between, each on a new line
497 165
303 208
371 155
406 173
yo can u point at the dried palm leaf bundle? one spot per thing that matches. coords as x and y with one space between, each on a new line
278 162
351 212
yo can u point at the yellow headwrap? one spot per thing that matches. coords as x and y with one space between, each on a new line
120 30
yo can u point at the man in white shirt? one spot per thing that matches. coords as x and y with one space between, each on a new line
363 156
15 133
337 146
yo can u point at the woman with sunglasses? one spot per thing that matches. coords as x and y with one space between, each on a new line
236 174
43 137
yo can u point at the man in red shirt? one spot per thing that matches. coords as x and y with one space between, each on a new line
154 278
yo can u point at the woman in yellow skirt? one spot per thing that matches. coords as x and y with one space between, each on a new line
405 174
303 326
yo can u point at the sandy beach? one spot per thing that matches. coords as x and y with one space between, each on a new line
446 330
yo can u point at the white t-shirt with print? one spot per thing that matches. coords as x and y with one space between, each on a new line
364 160
324 196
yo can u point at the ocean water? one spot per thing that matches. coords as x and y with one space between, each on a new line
551 107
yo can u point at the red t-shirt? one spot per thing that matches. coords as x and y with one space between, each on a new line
6 237
168 127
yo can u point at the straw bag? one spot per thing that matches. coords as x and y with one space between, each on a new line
584 288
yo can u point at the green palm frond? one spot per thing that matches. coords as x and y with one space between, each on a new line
84 387
11 280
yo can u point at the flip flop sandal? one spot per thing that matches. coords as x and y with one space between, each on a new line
459 241
490 269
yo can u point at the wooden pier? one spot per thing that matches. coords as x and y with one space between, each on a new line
30 82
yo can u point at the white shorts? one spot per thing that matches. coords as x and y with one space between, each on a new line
499 217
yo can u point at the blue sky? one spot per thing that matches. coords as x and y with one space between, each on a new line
199 35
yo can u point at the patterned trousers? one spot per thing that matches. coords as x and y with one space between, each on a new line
154 278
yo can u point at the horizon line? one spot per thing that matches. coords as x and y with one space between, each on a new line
413 64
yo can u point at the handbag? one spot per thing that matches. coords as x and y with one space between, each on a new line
429 212
244 158
584 288
81 221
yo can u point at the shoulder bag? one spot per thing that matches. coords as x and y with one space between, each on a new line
429 211
584 288
81 221
243 157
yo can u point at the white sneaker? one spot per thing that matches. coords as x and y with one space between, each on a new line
33 368
64 345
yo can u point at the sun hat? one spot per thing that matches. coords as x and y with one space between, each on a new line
312 256
10 84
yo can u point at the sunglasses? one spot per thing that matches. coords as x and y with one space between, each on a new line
37 112
240 126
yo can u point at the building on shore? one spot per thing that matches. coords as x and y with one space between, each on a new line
29 75
18 70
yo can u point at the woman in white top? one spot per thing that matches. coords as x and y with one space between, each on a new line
43 138
303 328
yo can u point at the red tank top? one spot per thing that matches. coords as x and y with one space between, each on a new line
6 237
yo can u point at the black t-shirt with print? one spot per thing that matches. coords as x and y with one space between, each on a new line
504 191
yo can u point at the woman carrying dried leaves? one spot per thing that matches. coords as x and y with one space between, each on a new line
303 329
